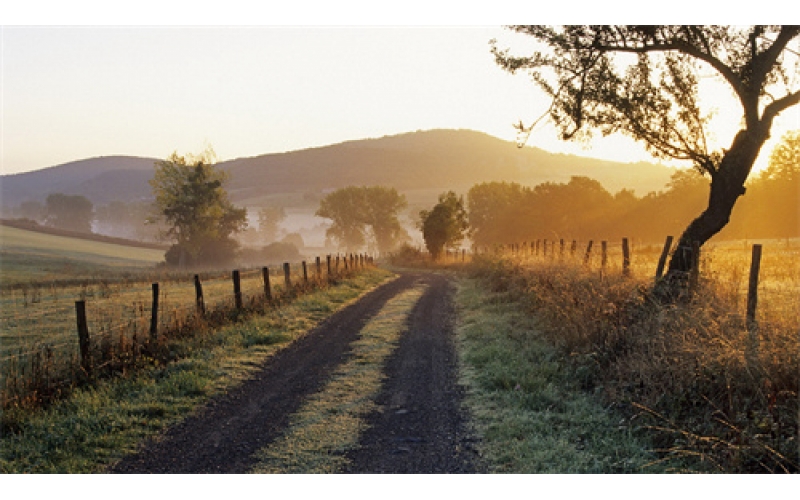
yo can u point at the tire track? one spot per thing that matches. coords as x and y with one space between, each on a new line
223 436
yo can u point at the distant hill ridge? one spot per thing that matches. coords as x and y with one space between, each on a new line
434 159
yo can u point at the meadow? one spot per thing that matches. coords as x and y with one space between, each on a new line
43 276
712 392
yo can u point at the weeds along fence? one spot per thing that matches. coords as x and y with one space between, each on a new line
714 375
762 278
54 337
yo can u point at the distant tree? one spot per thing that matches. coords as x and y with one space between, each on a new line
295 239
269 218
191 199
361 212
652 96
74 213
445 225
784 160
495 212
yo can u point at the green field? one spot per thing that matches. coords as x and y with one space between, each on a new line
27 256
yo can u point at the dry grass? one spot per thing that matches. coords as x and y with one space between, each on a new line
39 348
715 395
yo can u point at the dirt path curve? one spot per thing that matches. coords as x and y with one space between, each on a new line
421 427
223 436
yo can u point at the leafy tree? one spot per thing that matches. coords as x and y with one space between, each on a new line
359 213
268 220
74 213
643 81
201 220
445 225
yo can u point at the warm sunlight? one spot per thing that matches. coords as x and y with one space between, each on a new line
148 91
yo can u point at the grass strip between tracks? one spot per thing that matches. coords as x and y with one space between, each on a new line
330 422
95 426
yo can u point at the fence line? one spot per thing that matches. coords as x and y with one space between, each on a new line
118 326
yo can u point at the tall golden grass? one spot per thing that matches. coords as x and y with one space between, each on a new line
713 391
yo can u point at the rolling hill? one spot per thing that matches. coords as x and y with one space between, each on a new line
424 161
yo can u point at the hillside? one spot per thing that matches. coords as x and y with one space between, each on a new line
432 160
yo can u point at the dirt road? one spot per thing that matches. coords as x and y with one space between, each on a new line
419 427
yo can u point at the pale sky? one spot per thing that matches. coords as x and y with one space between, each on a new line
71 92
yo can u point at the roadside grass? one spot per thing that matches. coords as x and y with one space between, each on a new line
330 422
526 403
97 425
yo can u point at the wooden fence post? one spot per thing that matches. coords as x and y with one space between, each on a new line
752 287
588 254
154 315
337 264
544 247
694 272
328 259
198 292
287 276
305 274
267 286
561 249
83 336
663 259
319 269
603 256
237 289
573 248
626 258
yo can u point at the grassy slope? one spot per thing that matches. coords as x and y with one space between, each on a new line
527 408
95 427
28 255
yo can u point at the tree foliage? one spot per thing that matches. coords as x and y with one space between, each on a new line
191 199
269 218
445 225
71 212
643 81
363 215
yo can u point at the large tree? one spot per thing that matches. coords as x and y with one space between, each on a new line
72 212
191 199
360 213
643 81
445 225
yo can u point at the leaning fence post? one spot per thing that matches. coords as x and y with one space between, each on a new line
663 259
588 253
83 335
626 258
752 288
267 287
237 289
154 315
198 291
287 276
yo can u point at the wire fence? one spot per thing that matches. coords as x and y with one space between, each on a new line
728 265
43 344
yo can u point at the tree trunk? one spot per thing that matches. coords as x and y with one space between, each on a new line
727 185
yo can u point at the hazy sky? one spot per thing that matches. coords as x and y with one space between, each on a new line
71 92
